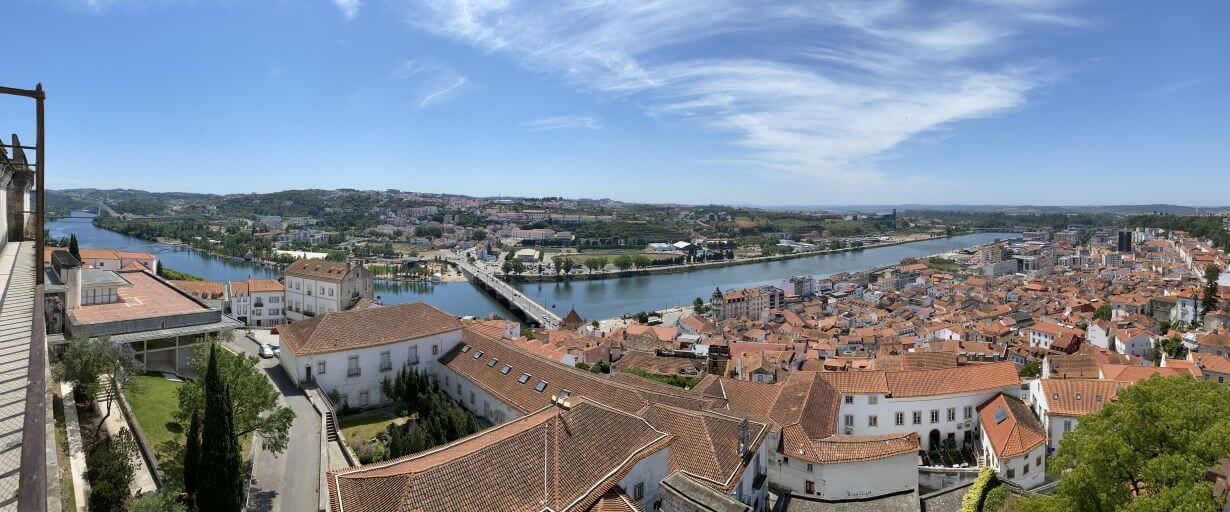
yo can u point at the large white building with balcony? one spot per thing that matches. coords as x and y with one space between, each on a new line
352 352
316 287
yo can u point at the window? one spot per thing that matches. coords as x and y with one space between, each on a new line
413 357
810 467
935 415
352 366
849 399
918 417
1039 462
638 491
809 487
471 398
478 355
507 368
1011 473
320 368
873 399
785 461
1025 470
899 418
435 349
952 414
363 398
491 362
465 348
458 387
873 421
386 361
524 377
542 384
446 380
1067 425
969 412
849 420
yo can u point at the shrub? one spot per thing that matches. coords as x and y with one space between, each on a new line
995 499
974 496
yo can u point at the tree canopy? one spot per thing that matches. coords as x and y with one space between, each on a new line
1146 451
253 398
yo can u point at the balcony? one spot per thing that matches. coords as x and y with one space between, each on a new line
386 367
353 372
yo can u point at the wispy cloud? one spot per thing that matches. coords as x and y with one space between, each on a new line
814 89
350 8
432 83
1175 87
558 122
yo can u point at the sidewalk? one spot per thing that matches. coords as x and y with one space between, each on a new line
76 449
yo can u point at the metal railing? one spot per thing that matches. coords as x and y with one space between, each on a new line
353 372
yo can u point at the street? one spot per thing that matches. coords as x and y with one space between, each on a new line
275 488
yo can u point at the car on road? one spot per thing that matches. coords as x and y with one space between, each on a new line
266 350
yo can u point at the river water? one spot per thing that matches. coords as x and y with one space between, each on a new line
613 297
592 299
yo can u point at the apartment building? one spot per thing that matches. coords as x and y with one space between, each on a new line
314 287
257 302
747 303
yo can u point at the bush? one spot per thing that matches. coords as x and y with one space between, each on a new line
972 502
995 499
110 471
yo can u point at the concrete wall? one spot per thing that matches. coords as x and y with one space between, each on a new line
647 473
847 481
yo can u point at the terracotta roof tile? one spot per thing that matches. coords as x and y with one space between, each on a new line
357 328
1010 426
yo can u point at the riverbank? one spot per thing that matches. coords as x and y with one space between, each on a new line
690 267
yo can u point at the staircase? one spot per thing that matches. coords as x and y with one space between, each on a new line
331 427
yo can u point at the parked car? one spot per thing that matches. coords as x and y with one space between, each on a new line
266 350
277 350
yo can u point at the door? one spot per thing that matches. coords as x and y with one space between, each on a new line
307 372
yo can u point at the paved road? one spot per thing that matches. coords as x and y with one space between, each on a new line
288 481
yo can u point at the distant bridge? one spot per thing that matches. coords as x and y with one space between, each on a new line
533 312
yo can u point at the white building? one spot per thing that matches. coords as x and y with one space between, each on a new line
1014 441
351 352
257 302
1059 403
937 405
315 287
1134 341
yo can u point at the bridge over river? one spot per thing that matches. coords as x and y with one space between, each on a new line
533 312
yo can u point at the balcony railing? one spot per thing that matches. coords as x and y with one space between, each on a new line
385 367
353 372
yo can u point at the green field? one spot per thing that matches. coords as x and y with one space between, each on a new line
154 402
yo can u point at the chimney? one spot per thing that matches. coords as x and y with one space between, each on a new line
69 270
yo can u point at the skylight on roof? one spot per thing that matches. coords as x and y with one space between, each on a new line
524 377
492 361
1000 415
542 384
507 368
478 355
465 348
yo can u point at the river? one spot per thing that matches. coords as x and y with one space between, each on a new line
456 298
595 299
610 298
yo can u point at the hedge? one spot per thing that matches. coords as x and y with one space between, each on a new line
972 501
995 499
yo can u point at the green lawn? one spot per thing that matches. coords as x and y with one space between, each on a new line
154 403
360 428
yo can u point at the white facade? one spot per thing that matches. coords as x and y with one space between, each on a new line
931 417
1028 470
1140 345
260 309
846 481
641 482
357 374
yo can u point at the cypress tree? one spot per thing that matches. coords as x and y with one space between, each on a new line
219 471
192 455
72 246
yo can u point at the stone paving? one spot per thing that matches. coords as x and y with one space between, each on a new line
17 267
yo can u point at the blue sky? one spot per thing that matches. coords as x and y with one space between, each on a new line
730 101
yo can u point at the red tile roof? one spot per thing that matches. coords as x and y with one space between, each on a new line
358 328
1016 432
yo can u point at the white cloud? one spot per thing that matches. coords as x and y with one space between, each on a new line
558 122
431 83
350 8
821 90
